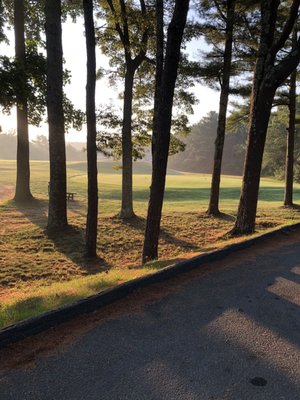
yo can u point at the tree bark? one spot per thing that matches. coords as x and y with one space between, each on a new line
127 201
57 216
213 208
162 125
289 164
159 67
261 110
92 214
267 78
22 193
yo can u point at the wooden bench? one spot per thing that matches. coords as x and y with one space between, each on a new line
70 195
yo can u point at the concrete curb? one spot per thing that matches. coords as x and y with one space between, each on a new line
33 326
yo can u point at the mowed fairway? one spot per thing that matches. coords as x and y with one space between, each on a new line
40 271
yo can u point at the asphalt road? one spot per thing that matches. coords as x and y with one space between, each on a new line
232 332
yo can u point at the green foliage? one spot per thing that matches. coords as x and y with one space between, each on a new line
120 48
212 26
109 137
24 81
275 149
20 81
239 117
2 22
124 31
199 150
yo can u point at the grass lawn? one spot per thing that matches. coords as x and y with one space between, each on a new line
39 271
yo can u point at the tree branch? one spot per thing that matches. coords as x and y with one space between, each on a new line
144 42
285 67
222 15
125 23
287 29
150 60
117 25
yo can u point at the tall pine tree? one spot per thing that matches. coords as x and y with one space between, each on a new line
166 74
92 214
270 73
57 216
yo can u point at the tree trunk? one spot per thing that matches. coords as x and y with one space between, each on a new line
153 220
159 67
213 208
92 214
268 76
245 222
22 193
127 202
161 138
57 216
289 164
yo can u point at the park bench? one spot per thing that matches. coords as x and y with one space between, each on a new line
70 195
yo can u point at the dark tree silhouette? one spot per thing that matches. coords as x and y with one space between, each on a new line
134 41
290 143
166 74
57 217
270 73
213 208
22 193
92 214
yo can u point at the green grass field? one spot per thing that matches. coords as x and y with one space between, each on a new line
39 271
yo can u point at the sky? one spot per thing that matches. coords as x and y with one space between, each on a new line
75 61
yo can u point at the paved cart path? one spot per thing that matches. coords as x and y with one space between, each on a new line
229 331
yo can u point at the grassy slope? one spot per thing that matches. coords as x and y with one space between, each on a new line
52 267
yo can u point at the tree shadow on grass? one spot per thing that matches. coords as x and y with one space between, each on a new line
139 223
221 216
77 208
69 241
35 211
295 207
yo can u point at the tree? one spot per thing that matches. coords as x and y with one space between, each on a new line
270 73
130 23
224 23
290 143
92 214
166 74
22 193
229 19
57 216
109 138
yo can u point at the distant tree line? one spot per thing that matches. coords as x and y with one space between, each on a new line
39 149
199 149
